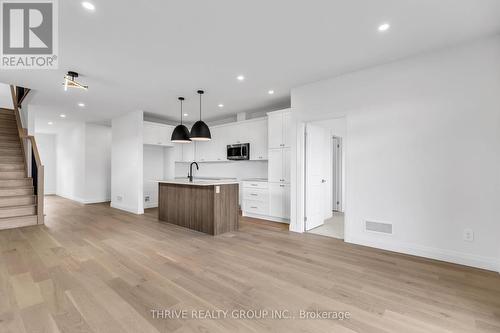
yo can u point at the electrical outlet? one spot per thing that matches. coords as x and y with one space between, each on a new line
147 198
468 235
119 198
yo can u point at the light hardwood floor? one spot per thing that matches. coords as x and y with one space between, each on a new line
96 269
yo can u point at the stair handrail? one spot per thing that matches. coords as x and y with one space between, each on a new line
37 167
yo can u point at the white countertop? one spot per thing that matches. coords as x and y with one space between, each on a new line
199 182
254 180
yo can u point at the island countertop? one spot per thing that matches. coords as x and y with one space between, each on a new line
199 182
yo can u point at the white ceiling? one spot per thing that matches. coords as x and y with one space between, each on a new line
144 54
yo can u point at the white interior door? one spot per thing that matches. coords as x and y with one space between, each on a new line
317 155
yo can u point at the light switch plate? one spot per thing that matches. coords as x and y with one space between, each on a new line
217 189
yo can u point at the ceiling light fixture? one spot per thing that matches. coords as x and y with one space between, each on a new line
221 105
50 123
200 130
70 82
384 27
88 5
180 133
62 115
82 105
271 92
185 114
240 78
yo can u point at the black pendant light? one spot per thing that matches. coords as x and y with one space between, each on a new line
180 133
200 130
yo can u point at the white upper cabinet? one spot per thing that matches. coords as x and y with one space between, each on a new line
275 130
287 121
184 152
157 134
253 131
279 129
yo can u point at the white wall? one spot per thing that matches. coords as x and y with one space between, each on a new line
127 163
423 151
46 144
97 163
158 164
83 162
70 161
5 96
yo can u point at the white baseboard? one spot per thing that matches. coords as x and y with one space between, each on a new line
466 259
96 200
150 205
265 217
127 209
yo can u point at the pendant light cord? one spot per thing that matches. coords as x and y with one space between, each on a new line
200 106
181 112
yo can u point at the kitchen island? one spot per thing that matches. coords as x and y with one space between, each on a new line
209 206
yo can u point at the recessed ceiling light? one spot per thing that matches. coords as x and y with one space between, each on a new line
271 92
240 78
62 115
384 27
88 5
50 123
185 114
221 105
82 105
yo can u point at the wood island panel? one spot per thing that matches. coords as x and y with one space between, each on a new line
200 208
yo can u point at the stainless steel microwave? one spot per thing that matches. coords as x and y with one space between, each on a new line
240 151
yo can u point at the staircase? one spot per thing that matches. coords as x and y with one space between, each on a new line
18 193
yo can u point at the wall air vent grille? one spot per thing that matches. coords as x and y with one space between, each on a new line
381 227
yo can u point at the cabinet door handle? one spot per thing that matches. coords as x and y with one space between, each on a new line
253 194
282 185
254 207
254 185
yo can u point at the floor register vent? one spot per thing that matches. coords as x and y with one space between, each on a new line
384 228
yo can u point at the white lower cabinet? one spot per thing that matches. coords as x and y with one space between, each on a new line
269 201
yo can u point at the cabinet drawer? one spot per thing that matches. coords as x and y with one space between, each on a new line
255 194
248 184
255 207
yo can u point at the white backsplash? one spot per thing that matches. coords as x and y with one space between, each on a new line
233 169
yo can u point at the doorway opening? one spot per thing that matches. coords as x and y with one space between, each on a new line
324 178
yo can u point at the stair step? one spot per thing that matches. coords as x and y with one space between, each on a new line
8 183
17 222
10 152
11 167
12 175
7 192
12 159
9 137
10 144
9 112
9 130
10 119
8 123
19 200
14 211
